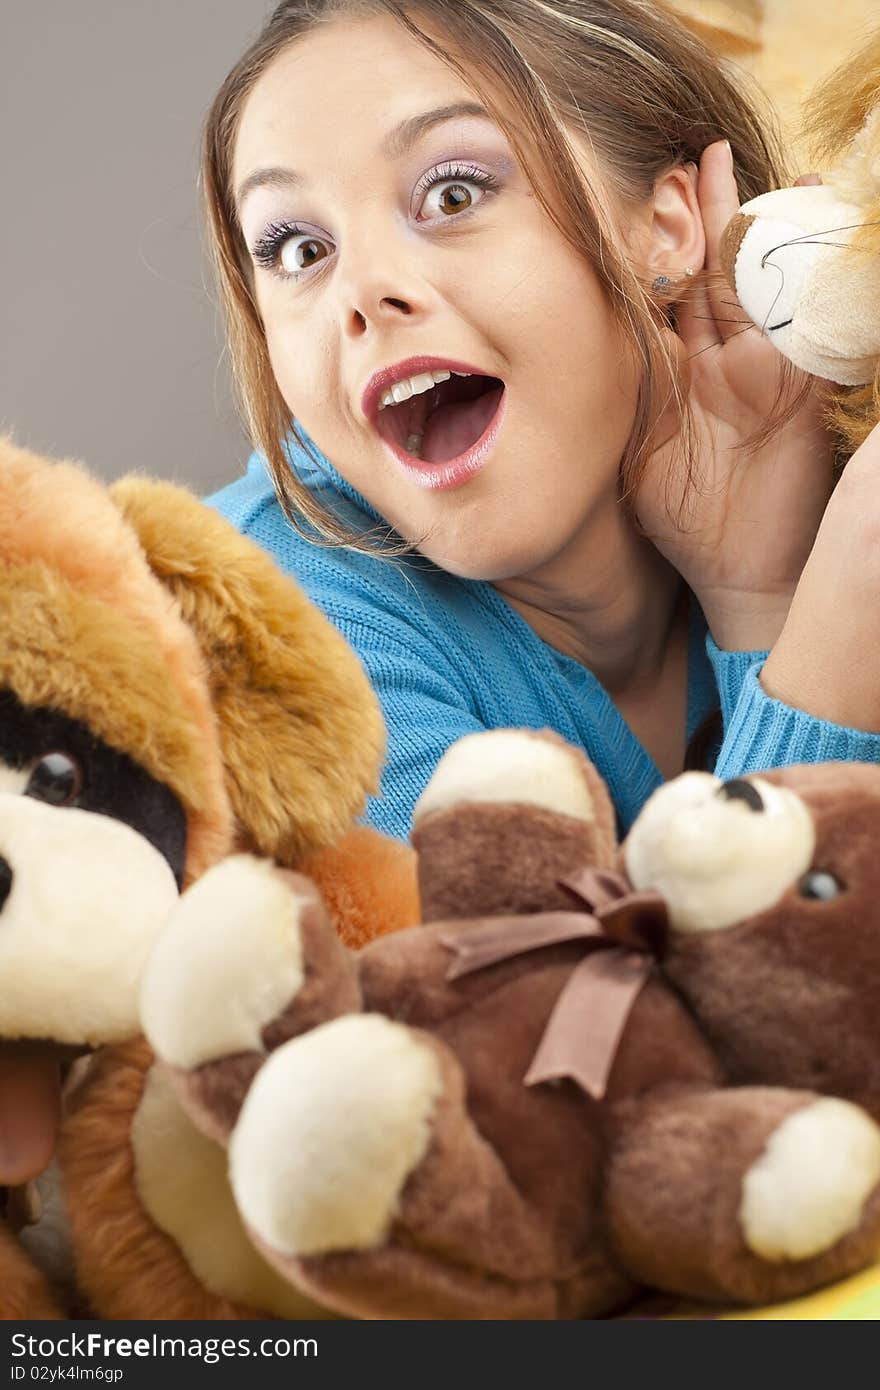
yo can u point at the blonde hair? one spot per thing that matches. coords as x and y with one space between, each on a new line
649 96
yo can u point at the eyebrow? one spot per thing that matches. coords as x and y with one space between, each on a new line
396 144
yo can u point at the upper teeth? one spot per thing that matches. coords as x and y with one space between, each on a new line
414 386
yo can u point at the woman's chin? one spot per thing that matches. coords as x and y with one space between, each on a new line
477 561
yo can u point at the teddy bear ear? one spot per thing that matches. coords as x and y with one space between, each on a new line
506 816
301 732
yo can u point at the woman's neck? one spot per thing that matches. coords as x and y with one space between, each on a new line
609 600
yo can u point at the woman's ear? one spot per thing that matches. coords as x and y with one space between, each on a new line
673 242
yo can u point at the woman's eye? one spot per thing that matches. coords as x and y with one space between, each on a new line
56 778
453 189
300 252
451 198
289 250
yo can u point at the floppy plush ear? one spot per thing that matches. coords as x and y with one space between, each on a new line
300 727
730 27
508 815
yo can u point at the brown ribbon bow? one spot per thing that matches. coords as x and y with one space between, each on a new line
624 932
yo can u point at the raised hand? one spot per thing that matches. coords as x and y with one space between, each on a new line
737 514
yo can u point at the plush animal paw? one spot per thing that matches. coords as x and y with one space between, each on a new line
326 1173
247 961
811 1184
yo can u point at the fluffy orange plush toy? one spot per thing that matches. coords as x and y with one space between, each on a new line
805 262
783 47
167 696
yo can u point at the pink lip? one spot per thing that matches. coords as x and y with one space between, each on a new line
434 476
380 381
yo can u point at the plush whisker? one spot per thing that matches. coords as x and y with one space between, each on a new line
816 239
748 328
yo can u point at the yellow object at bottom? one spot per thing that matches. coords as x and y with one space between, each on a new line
856 1299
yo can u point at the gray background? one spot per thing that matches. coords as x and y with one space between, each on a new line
111 348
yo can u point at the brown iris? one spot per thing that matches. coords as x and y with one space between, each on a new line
455 198
309 252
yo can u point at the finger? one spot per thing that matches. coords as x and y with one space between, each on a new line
719 202
808 181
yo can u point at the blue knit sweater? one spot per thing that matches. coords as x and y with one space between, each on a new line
448 657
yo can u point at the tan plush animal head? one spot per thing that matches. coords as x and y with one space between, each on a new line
805 262
166 696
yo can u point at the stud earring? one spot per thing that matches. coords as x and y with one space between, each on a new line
660 284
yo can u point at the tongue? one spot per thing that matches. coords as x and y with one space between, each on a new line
30 1107
451 429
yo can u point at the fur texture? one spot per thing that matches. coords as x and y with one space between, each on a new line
88 630
828 322
25 1292
518 1190
844 127
300 730
144 616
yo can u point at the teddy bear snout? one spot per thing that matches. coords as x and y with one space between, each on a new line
719 852
5 881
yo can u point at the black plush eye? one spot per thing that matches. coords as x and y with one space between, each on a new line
56 778
738 789
820 885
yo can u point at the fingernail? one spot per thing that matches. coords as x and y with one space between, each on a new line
727 146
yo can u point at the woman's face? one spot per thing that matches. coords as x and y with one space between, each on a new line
469 271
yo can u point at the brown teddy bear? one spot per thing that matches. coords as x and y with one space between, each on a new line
591 1073
167 697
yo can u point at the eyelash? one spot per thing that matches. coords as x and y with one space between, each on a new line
449 173
267 251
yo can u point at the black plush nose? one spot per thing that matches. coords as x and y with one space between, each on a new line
5 882
738 789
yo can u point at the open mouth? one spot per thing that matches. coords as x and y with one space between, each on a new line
441 424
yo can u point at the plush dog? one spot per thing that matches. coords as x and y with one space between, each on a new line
586 1075
805 262
167 697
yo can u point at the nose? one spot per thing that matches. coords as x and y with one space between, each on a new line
5 882
389 308
737 789
381 287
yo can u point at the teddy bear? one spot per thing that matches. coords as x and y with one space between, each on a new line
168 698
804 262
593 1071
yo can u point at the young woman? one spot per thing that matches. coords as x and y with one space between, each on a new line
469 252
